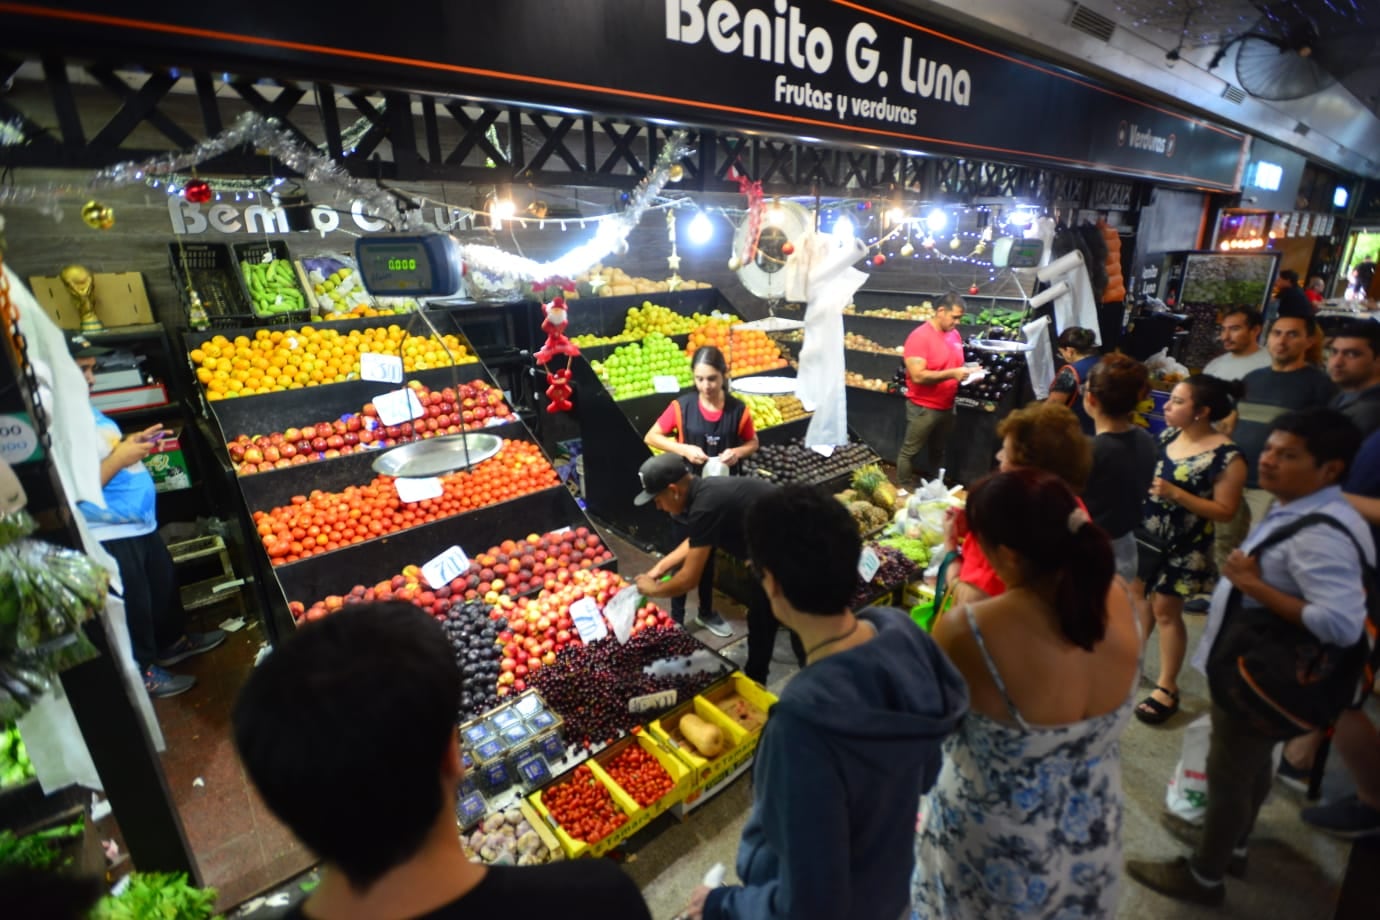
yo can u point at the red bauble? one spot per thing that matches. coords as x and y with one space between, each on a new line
879 259
198 191
973 289
787 248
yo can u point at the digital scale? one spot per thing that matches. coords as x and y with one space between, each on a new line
410 266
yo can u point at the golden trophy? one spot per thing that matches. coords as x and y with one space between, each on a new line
82 287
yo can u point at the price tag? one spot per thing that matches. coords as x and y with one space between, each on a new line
399 406
418 490
446 567
868 564
621 609
665 383
648 702
824 450
588 621
383 368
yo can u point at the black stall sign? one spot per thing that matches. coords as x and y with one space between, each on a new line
812 69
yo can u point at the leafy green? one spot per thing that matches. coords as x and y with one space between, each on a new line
15 766
157 896
917 551
40 850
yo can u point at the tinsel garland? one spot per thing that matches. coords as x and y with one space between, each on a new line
503 270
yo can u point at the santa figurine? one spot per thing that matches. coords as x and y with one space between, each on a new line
558 390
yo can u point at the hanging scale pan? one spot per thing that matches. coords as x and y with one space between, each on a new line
782 222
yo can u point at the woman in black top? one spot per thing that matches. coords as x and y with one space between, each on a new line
1124 455
706 424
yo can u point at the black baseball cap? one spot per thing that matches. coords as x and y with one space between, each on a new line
659 472
82 347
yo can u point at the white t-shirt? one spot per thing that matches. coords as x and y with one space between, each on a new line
1235 367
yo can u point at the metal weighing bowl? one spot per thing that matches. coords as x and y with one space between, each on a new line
435 456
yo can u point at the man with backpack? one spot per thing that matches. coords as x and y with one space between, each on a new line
1285 640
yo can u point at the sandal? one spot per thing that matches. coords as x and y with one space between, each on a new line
1152 712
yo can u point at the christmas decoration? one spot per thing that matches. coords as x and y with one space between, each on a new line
753 191
558 381
972 289
98 216
611 236
197 191
907 250
676 172
879 260
787 248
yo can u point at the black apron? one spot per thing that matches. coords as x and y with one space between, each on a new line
711 437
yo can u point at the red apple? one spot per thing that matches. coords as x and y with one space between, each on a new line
319 444
253 455
272 454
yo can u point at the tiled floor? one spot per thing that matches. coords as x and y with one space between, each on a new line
240 848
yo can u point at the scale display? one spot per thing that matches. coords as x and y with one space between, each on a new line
409 266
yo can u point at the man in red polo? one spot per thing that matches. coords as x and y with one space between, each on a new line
934 369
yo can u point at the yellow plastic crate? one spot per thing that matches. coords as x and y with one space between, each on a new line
576 849
541 829
744 686
681 774
704 771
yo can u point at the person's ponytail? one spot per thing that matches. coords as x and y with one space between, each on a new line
1081 600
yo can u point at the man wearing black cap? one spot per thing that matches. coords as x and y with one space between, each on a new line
713 509
128 529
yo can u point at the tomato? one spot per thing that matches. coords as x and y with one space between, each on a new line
583 807
640 774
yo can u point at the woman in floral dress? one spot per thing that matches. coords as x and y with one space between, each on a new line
1025 818
1198 484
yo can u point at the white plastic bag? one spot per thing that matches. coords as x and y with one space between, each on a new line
1186 796
1161 365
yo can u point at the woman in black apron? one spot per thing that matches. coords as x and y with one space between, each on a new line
701 426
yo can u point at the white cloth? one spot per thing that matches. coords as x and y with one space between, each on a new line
1236 367
1039 361
830 281
1077 307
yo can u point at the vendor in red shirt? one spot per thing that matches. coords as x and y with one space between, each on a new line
1044 436
934 369
708 423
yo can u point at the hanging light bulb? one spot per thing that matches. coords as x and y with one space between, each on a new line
700 230
843 228
937 220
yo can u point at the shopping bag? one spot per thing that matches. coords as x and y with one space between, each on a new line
1186 796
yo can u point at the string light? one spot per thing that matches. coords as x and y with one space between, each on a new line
700 229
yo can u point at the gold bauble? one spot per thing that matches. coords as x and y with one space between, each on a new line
98 216
734 264
955 243
676 172
907 250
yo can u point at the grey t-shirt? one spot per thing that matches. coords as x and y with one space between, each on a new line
1236 367
1270 394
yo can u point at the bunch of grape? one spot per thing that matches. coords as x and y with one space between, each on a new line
474 636
590 685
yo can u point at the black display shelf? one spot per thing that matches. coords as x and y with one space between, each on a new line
367 563
270 412
118 335
605 315
275 488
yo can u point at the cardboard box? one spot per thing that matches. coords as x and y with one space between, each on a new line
121 300
168 465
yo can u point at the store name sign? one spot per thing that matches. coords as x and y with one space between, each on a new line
190 219
786 40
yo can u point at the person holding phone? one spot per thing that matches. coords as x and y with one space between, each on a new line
128 529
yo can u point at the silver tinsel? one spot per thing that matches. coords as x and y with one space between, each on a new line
501 270
263 134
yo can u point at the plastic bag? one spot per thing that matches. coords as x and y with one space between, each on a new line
1161 365
1186 795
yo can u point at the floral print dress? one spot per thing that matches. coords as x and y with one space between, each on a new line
1024 820
1186 567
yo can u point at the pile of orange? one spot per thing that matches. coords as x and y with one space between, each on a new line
290 359
748 351
325 521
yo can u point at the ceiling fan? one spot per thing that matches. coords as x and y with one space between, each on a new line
1289 53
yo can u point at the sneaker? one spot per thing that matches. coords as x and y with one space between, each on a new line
1348 818
1176 880
1296 778
161 685
714 623
1192 834
193 643
1197 605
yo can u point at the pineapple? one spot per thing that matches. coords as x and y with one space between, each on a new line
872 482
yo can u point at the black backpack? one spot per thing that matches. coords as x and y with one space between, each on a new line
1277 675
